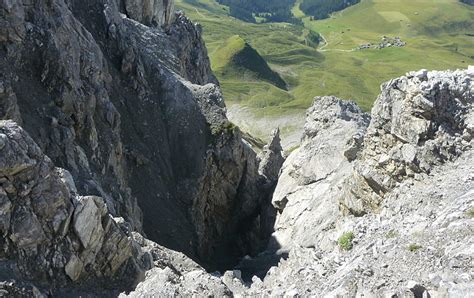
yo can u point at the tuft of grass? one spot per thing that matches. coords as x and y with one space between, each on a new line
227 128
391 234
414 247
470 213
345 241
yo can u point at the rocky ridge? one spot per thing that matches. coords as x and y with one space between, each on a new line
383 208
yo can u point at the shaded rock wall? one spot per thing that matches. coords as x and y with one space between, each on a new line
134 113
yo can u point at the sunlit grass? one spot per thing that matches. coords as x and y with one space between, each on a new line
435 32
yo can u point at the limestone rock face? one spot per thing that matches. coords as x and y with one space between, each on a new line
150 12
420 121
134 116
308 182
54 235
379 209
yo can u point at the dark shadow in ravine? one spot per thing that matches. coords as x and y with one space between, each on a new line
259 265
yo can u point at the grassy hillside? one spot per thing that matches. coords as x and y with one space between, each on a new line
236 58
261 10
322 9
439 35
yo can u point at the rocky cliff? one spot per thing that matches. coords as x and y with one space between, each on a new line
119 127
380 205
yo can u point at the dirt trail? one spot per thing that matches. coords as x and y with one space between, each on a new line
326 43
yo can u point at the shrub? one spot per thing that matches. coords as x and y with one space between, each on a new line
345 241
225 128
414 247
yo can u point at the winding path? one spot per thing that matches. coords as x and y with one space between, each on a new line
326 43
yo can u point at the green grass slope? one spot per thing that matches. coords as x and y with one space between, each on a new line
439 35
236 58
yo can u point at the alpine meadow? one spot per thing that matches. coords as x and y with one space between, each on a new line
327 56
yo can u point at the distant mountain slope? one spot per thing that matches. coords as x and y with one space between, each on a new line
321 9
439 35
237 57
263 10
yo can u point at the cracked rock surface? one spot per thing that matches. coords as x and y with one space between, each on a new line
54 235
121 102
380 209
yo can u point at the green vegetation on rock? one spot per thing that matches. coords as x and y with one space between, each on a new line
227 128
345 241
414 247
470 213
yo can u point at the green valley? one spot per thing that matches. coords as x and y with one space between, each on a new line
328 57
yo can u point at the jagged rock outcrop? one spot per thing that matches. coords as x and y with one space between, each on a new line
54 235
135 115
308 183
416 239
419 121
272 158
